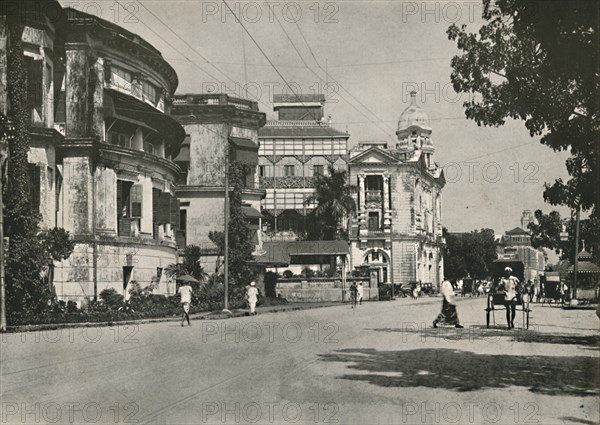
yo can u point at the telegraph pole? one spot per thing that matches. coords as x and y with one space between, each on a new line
226 230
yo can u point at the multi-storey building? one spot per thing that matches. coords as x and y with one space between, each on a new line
293 149
101 148
516 244
397 231
215 123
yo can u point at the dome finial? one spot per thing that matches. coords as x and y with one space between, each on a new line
413 97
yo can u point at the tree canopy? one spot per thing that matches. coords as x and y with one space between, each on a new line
469 253
537 61
545 233
333 196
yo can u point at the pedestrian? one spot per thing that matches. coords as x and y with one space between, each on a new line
359 292
353 294
564 291
448 315
185 293
252 297
509 285
531 290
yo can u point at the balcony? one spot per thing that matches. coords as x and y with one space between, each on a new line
373 196
215 99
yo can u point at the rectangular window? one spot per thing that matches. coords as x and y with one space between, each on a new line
34 188
289 170
35 90
261 170
136 201
150 92
318 170
121 78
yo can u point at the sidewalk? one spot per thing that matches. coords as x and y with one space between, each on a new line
196 316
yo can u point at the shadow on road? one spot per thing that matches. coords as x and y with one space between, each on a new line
466 371
494 333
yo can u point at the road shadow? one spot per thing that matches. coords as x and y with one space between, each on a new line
466 371
493 334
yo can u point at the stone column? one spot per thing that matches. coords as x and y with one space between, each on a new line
386 203
361 193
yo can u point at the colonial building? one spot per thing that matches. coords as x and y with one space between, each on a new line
215 123
100 154
397 232
293 149
516 244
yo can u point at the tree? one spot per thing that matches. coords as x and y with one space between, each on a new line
333 196
545 233
469 253
240 242
190 265
538 61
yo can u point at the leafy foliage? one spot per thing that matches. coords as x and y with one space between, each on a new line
240 270
537 62
190 265
335 202
469 253
545 233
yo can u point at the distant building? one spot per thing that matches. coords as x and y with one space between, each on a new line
293 149
516 244
101 143
213 123
397 232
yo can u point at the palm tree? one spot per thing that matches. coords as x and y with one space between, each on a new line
333 196
190 265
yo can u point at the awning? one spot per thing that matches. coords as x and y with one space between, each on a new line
242 142
110 111
585 267
251 212
244 150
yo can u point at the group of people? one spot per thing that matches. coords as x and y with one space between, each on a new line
185 294
509 285
356 294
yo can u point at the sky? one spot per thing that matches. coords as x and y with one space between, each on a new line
366 56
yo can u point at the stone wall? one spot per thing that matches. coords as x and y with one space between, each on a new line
73 278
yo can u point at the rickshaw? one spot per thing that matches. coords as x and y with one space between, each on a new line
467 286
550 288
496 298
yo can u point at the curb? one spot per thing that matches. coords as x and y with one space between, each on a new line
196 316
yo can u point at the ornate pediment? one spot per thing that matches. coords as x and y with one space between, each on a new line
374 156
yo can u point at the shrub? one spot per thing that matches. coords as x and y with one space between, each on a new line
286 274
271 284
111 298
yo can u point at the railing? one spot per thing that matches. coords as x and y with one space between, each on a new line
214 99
373 196
297 123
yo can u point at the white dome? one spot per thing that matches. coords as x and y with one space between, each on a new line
413 116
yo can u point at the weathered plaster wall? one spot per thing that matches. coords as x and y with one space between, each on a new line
74 277
106 200
77 195
207 154
204 214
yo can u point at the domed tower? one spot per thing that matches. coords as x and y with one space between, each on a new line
414 132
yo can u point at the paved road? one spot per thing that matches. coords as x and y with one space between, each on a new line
380 363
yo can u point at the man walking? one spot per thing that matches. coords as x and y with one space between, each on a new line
359 292
252 297
448 314
353 294
509 284
185 292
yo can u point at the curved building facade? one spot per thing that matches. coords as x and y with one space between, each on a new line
102 143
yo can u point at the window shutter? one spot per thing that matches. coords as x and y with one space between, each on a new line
174 213
34 188
164 212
